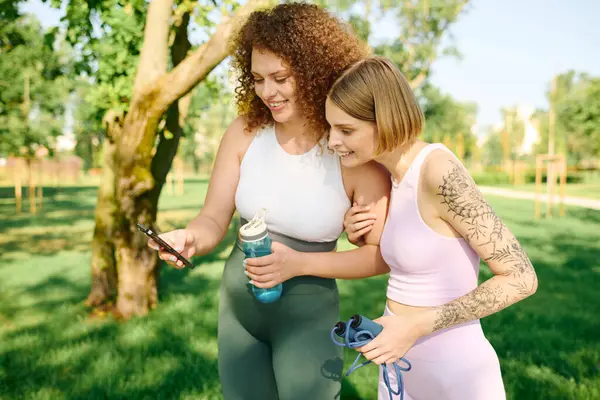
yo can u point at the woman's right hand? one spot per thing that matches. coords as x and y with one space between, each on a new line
358 222
182 240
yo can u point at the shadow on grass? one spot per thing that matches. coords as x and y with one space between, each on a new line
586 215
61 207
548 344
56 352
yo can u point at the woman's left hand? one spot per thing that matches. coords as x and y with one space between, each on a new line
399 334
279 266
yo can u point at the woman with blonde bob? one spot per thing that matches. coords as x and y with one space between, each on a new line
438 227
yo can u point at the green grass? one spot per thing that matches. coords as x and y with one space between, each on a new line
548 345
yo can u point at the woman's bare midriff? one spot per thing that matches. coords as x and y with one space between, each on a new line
403 309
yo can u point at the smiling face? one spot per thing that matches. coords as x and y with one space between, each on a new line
353 139
275 85
372 111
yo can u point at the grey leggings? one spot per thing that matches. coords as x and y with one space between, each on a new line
281 350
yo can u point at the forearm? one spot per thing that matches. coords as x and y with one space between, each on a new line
363 262
207 232
492 296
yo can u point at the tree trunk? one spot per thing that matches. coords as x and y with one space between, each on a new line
138 177
137 278
31 187
104 269
18 186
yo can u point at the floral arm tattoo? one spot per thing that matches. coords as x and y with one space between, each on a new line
471 215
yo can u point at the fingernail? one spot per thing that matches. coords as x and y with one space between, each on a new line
245 272
179 249
244 263
172 258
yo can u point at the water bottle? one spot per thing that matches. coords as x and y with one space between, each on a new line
256 242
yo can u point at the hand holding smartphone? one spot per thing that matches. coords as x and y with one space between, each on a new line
165 246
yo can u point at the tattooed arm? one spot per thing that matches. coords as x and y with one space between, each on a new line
450 194
459 202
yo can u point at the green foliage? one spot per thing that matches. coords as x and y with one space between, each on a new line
116 57
35 78
446 116
422 25
571 177
577 117
492 153
491 178
361 26
87 126
514 130
109 53
211 111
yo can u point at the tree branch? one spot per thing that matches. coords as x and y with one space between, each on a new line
198 65
176 114
154 55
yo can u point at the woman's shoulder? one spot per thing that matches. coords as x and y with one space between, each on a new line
238 136
368 176
440 167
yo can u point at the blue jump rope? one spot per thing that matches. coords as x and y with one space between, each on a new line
359 331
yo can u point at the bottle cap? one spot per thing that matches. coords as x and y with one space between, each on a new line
256 228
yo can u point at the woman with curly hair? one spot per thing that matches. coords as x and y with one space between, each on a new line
274 156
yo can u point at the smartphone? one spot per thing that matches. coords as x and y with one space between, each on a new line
165 246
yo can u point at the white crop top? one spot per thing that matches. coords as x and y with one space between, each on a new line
303 194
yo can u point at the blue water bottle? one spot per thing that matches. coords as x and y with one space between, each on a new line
256 242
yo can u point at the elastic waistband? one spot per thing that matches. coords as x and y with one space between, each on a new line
296 244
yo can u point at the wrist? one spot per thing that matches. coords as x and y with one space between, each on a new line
301 264
189 232
427 321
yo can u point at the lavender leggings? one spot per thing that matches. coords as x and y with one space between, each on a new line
454 364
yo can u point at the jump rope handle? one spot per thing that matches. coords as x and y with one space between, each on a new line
360 323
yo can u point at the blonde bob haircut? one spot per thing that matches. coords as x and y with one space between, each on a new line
374 90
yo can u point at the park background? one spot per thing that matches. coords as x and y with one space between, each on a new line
104 122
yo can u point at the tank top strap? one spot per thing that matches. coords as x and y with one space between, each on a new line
266 136
414 171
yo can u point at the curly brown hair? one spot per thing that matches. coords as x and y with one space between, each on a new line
317 47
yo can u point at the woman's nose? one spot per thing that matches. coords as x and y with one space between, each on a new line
269 89
334 139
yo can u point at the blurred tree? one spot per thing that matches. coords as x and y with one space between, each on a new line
578 115
421 24
492 152
513 133
34 77
577 127
211 110
446 117
87 127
